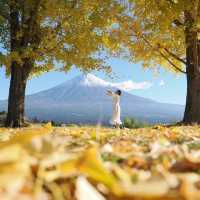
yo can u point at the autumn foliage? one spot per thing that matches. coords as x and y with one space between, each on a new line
100 163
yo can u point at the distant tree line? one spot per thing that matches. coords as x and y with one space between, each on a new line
130 122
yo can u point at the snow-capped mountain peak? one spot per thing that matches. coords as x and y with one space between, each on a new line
78 101
93 81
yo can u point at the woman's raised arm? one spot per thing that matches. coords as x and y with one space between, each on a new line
109 93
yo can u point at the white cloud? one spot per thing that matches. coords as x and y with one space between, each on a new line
162 83
128 85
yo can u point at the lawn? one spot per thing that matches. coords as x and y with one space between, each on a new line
97 163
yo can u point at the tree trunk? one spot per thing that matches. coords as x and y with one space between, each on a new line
19 71
15 116
192 109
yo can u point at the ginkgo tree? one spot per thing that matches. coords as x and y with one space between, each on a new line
41 35
165 33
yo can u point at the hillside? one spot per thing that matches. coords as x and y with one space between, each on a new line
83 100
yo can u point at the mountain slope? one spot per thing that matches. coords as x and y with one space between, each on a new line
83 100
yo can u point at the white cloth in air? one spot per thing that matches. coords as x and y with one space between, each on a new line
115 120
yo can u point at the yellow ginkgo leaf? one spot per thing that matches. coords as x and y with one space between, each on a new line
11 153
90 164
23 136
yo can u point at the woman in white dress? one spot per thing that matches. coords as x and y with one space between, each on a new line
116 121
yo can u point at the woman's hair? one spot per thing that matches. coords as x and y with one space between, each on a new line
119 92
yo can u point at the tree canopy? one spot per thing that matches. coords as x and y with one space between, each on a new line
43 35
68 32
154 32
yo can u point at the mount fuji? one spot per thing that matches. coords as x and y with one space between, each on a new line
84 100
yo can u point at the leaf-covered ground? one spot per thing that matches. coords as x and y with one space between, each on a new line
97 163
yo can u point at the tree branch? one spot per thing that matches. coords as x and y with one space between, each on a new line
30 24
178 23
171 1
164 56
174 56
172 64
4 15
59 25
196 9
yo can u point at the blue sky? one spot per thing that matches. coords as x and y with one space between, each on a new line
165 86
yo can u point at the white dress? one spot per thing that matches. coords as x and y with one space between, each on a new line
115 120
